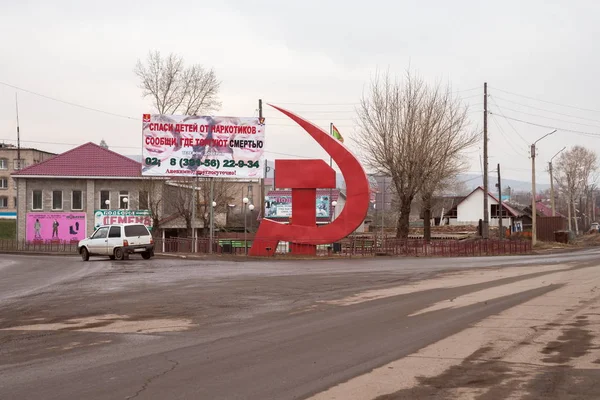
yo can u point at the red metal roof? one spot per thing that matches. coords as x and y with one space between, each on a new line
545 210
89 160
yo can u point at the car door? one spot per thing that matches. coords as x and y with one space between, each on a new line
114 239
98 241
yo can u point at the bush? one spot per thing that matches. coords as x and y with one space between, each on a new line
8 229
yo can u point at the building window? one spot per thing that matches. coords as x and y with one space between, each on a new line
144 201
104 197
3 163
3 183
57 200
18 164
494 211
76 200
36 203
3 202
124 200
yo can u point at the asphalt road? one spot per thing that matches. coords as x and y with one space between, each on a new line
191 329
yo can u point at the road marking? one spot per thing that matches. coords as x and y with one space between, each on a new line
110 323
527 341
493 293
447 281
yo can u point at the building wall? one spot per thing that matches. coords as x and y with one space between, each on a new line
28 157
90 196
471 208
470 211
506 222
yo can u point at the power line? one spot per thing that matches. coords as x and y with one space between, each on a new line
546 110
468 90
62 143
309 104
511 125
548 102
590 134
517 152
468 97
553 119
356 103
69 103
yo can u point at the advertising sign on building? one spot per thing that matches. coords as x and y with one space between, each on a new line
63 227
107 217
182 145
281 206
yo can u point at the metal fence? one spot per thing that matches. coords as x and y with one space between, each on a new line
547 226
362 246
53 246
354 246
455 248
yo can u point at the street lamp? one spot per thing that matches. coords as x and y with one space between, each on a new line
107 202
251 208
533 207
125 200
214 203
552 182
245 200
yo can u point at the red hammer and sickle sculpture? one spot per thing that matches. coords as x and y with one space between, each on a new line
304 177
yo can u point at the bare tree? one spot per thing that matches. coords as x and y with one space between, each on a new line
223 193
151 198
440 181
412 132
177 88
573 171
180 198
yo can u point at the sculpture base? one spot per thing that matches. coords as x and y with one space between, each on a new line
303 249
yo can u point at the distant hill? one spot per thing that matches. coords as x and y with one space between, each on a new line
472 181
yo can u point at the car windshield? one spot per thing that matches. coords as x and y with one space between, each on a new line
136 230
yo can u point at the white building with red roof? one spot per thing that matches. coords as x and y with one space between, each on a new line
470 210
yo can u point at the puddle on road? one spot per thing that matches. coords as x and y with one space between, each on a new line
110 323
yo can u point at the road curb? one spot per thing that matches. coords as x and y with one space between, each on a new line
36 253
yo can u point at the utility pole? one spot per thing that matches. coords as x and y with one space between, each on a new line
533 191
383 210
18 133
262 181
552 183
211 205
533 203
19 162
551 190
500 229
486 217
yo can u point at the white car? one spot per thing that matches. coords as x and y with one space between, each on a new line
117 242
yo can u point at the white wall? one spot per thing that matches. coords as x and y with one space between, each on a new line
470 211
506 222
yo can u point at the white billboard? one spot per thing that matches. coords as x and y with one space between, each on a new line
187 145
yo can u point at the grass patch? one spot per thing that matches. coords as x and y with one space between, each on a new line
8 229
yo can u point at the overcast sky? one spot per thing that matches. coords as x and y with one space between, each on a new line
313 57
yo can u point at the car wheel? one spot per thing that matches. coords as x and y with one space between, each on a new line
146 255
85 254
119 253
